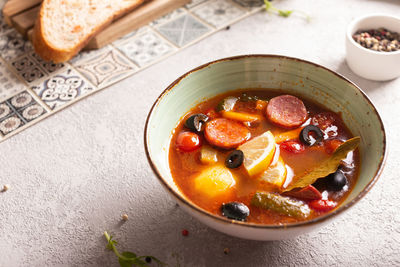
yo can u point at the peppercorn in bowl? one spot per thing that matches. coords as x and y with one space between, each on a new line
373 47
242 143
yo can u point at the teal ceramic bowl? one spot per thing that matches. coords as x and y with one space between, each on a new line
261 72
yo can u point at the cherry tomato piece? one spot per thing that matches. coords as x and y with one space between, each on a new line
188 141
309 193
322 205
292 146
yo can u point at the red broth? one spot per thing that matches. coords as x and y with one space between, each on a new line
186 166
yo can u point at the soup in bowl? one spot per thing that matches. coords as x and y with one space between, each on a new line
265 147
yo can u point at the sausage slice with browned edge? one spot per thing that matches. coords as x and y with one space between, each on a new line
225 133
286 111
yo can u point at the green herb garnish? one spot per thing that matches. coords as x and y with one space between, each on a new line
269 7
129 259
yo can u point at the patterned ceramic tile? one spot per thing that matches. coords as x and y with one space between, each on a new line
28 68
194 3
89 54
61 88
130 35
18 111
10 84
183 30
250 3
219 12
58 85
48 66
13 45
10 124
4 28
168 17
107 68
146 48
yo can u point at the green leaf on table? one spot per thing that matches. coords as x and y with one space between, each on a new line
269 7
285 13
160 263
128 259
128 254
327 167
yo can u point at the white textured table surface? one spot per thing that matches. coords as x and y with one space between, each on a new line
74 174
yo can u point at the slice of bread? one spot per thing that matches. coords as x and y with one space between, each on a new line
64 27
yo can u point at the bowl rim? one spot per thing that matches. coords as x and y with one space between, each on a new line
220 219
351 29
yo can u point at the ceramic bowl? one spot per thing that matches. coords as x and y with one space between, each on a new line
367 63
292 75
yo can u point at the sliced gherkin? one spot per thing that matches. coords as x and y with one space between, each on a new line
281 204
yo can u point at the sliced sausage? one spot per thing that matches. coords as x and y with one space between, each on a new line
286 111
225 133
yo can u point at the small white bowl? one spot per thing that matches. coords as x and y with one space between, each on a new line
367 63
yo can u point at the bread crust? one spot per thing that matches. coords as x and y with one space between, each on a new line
50 53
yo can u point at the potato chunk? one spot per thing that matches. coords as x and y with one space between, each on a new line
214 181
208 155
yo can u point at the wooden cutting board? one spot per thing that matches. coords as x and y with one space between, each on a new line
21 14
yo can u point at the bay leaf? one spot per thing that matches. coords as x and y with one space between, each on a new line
326 167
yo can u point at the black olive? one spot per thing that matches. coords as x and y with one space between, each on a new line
311 140
196 122
234 159
336 181
235 210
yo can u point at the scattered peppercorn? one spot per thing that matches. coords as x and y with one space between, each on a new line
5 188
125 217
147 259
381 40
226 251
185 232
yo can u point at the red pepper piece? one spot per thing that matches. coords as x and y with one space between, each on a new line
293 146
332 145
307 193
322 205
212 114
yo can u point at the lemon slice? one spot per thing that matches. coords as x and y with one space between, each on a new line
258 153
275 175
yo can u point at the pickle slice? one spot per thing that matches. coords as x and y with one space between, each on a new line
281 204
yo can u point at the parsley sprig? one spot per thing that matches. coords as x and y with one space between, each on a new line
269 7
129 259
